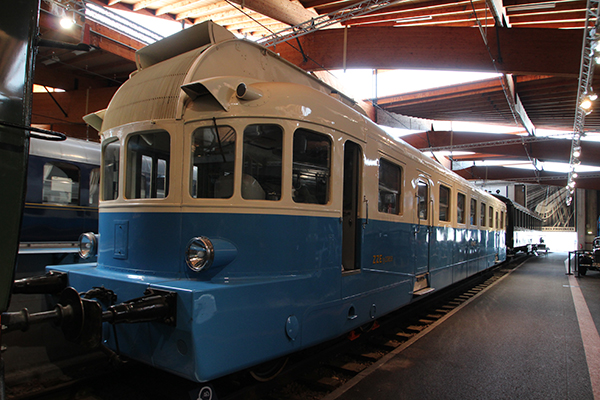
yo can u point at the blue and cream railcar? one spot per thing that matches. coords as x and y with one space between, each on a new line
523 228
62 192
278 214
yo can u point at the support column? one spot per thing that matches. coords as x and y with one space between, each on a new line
591 217
580 218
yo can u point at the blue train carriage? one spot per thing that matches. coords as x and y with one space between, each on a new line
62 195
277 214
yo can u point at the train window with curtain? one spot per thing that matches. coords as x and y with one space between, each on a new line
110 170
390 187
444 203
61 183
482 214
422 195
461 200
473 212
148 156
213 157
94 188
491 217
263 148
311 167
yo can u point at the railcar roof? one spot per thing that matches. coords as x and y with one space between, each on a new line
155 90
74 150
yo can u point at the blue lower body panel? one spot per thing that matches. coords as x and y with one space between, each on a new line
283 291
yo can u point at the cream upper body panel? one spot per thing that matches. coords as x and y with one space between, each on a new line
237 83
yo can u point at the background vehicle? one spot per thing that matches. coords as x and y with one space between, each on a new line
62 196
523 228
589 260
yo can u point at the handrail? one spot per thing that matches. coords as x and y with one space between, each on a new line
47 135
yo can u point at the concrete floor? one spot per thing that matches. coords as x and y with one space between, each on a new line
521 339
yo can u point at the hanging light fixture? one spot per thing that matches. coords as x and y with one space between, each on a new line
586 103
66 22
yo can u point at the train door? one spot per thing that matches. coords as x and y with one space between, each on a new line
422 234
350 217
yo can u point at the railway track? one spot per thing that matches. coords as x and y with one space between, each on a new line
322 372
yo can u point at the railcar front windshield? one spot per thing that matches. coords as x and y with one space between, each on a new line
213 161
148 163
263 150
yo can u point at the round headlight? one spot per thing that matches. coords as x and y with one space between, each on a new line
88 245
199 254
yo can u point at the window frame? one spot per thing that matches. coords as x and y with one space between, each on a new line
132 192
399 194
251 181
115 184
444 208
51 187
303 195
423 183
225 183
462 220
482 214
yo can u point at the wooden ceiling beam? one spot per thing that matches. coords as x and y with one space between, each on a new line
144 4
242 24
543 149
406 6
281 10
442 15
586 180
328 3
267 28
175 7
223 9
522 51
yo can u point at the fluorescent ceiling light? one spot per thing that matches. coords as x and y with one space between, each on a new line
414 19
532 6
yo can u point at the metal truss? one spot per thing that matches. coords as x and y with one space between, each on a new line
591 37
493 143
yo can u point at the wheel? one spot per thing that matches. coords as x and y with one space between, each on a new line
582 270
269 370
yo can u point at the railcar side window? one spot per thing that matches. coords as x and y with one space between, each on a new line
110 169
148 156
491 217
94 188
390 187
497 223
460 208
482 215
213 156
473 212
444 203
311 168
422 195
61 183
263 150
501 219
